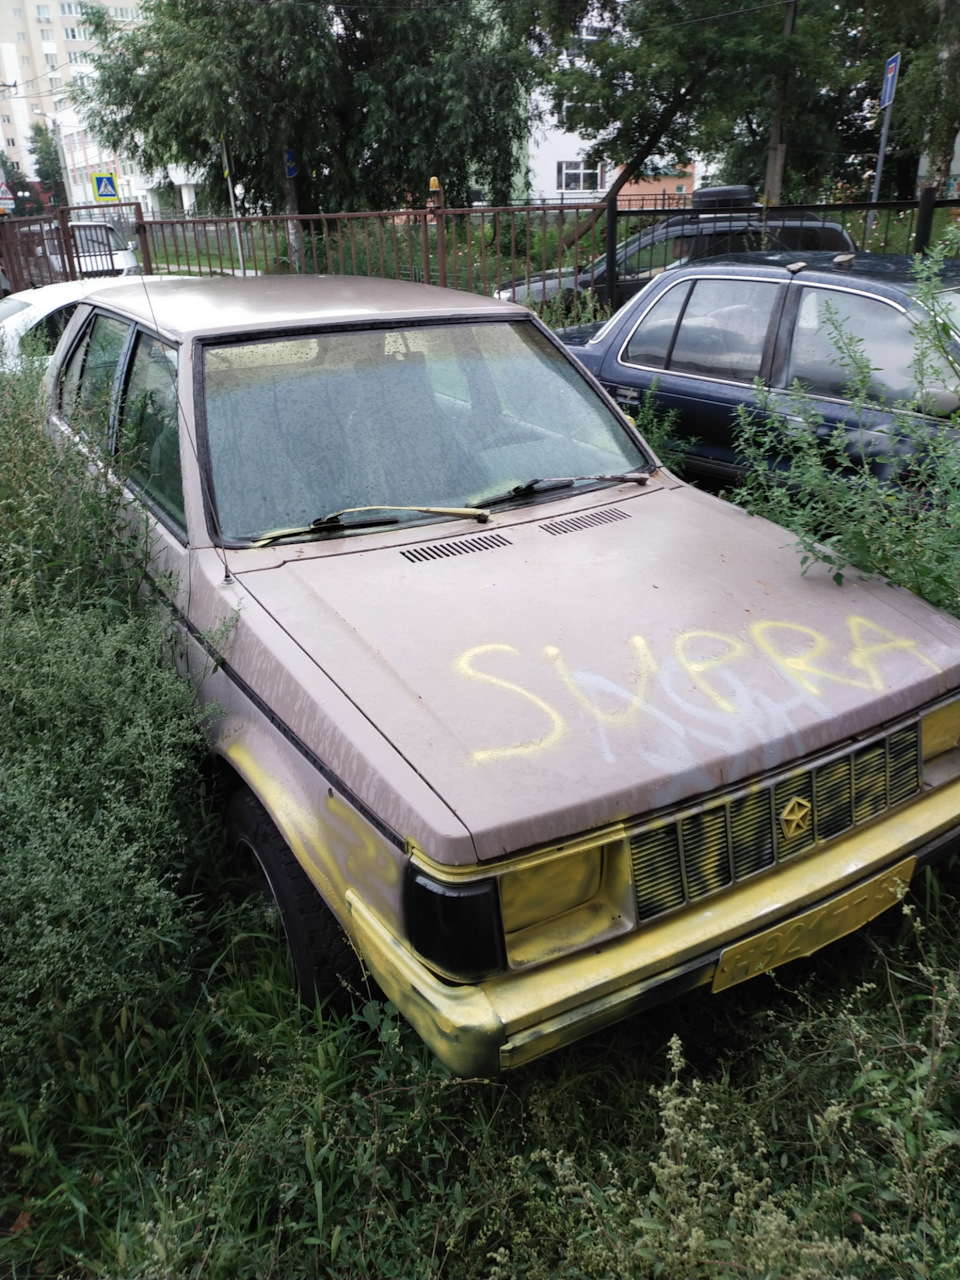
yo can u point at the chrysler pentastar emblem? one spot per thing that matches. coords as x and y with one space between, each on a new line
795 817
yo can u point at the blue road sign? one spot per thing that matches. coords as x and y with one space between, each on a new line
290 160
104 187
891 71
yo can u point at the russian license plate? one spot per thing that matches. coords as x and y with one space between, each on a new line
802 935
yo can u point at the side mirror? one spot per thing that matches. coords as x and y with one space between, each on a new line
133 245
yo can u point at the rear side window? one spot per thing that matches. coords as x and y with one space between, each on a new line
828 319
149 437
721 332
44 336
87 386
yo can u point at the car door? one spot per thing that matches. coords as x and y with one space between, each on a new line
117 393
701 343
829 332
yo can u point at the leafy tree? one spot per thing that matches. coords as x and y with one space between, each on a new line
667 78
43 148
372 100
662 79
18 182
831 69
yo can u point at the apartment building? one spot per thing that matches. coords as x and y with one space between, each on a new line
44 48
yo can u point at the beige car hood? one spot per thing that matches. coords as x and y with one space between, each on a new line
593 659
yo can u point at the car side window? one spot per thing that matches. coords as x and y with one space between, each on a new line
86 391
888 342
43 337
149 436
650 341
721 333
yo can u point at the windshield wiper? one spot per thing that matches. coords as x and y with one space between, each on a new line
637 476
334 520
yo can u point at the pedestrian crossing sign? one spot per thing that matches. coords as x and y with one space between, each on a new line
104 187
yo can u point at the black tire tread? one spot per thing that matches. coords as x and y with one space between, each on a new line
324 961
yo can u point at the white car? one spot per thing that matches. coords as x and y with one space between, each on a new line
36 318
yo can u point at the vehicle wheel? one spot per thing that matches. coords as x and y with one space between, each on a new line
324 962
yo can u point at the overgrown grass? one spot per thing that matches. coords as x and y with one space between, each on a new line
167 1110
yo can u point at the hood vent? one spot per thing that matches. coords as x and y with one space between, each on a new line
460 547
572 523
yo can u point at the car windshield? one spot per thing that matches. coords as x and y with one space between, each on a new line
10 306
438 415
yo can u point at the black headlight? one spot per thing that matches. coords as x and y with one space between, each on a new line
455 927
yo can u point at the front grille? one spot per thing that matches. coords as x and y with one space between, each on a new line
695 855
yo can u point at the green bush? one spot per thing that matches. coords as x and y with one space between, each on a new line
902 522
167 1109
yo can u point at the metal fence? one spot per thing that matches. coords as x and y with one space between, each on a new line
80 241
555 255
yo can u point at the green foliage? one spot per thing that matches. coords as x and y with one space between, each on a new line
167 1110
46 155
899 516
373 100
663 79
18 182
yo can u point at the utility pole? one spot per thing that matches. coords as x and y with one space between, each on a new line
777 153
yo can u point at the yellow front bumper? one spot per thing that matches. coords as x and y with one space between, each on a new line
514 1017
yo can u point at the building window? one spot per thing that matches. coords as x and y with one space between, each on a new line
21 37
11 142
76 33
69 10
56 82
43 13
46 35
24 62
681 189
51 59
573 175
6 120
18 13
78 56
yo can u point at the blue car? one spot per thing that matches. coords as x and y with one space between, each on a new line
701 336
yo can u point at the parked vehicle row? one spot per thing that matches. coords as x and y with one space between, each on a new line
721 220
704 337
546 733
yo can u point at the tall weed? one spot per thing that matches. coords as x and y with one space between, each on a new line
895 513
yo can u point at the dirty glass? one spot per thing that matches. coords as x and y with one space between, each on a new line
724 328
650 341
886 336
87 388
148 439
437 415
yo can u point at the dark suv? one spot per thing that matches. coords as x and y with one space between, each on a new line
722 220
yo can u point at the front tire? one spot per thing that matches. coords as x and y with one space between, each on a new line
324 962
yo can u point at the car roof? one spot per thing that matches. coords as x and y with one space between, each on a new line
185 308
48 297
895 269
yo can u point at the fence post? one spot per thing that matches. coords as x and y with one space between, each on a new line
141 229
925 210
63 218
440 221
611 289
